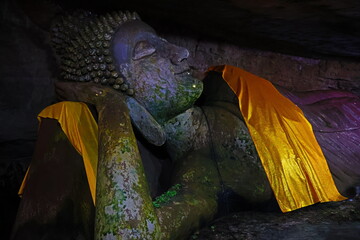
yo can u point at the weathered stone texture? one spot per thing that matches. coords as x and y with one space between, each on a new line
292 72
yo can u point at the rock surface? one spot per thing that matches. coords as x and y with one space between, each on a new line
305 28
26 87
292 72
325 34
331 221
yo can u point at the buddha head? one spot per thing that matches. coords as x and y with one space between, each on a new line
121 51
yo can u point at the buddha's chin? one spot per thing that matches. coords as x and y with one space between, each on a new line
188 95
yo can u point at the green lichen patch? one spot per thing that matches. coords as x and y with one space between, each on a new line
167 196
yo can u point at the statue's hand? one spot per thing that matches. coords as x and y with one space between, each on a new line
86 92
145 123
100 95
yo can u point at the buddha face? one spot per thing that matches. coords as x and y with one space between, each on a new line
156 69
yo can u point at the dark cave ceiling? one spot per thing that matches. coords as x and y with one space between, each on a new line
306 28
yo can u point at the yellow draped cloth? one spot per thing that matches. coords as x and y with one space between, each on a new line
290 154
81 129
293 161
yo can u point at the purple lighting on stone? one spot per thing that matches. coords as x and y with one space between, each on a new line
335 118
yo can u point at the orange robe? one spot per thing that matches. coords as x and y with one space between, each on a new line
81 129
290 154
293 161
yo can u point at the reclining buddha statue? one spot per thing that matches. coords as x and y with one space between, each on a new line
131 108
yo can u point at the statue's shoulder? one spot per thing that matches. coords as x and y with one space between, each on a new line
328 110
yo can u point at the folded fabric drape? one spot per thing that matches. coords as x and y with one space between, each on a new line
290 154
81 129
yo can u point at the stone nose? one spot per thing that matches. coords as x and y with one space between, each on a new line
178 54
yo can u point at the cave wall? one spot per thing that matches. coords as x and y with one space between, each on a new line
292 72
28 72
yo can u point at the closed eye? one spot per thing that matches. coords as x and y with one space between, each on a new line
143 49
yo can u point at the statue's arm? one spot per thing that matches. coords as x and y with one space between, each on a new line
94 94
122 182
145 123
196 202
124 208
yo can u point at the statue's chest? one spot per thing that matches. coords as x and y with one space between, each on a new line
235 156
228 144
